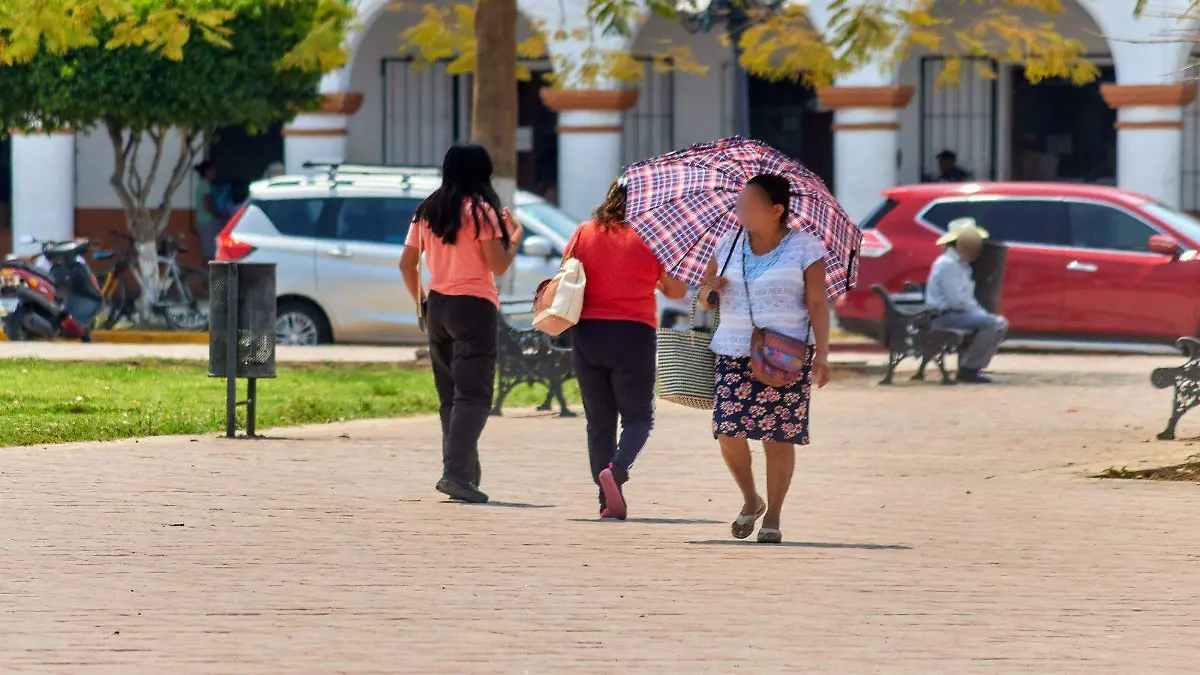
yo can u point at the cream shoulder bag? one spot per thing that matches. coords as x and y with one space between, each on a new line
558 302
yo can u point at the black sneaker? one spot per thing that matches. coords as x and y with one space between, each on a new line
463 492
973 377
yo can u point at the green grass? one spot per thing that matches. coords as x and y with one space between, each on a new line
60 402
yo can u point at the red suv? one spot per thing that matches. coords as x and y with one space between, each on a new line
1085 262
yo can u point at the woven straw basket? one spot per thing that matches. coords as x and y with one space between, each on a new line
686 364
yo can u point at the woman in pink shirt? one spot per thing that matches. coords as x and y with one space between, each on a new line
467 244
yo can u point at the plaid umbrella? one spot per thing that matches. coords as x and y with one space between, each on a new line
682 203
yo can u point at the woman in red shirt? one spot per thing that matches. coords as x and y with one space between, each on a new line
614 343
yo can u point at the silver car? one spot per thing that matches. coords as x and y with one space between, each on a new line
336 236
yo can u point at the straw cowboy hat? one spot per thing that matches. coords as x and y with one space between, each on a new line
960 228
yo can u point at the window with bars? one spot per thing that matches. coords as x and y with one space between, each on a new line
425 111
648 129
959 118
1190 156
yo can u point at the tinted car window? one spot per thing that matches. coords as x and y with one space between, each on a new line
872 221
295 217
375 219
1008 220
1103 227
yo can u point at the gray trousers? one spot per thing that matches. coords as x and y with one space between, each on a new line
988 332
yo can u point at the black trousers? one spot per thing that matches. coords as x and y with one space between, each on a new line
614 363
462 347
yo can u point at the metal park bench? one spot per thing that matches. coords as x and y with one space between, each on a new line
1186 381
908 332
529 356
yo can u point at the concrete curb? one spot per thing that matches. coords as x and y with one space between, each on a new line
143 337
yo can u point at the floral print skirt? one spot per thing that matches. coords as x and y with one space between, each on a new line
747 408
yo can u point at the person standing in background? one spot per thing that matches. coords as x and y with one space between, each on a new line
210 217
614 345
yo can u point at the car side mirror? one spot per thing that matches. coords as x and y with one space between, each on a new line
539 247
1165 245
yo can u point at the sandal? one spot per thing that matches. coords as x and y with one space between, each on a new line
770 535
743 525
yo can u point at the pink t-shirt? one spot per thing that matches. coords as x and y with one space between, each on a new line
459 268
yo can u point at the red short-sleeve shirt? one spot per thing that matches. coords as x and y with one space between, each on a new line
622 274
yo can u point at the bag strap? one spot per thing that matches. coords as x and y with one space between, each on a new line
729 255
420 262
746 285
750 302
574 244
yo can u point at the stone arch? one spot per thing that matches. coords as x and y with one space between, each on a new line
978 119
784 114
373 69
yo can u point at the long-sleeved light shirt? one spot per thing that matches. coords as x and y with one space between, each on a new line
951 287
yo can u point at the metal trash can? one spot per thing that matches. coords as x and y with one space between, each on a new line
241 335
988 271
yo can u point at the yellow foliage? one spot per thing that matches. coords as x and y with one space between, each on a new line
61 25
780 43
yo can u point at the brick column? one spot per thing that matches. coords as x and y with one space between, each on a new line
43 188
865 143
320 136
589 143
1150 137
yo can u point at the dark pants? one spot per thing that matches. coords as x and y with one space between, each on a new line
614 362
462 347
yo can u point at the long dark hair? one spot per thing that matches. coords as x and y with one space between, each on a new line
611 214
466 177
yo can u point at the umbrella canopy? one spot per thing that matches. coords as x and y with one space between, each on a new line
683 202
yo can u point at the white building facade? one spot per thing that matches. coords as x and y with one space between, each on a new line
1138 127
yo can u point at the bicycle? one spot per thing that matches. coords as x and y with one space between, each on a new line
119 301
177 302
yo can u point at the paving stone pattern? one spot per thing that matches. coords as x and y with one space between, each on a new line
930 530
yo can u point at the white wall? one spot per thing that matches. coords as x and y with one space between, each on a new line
94 168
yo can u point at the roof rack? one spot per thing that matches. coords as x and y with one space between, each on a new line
336 169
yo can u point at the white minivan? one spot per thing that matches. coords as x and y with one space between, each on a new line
336 235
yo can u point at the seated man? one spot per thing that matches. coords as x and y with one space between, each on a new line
951 290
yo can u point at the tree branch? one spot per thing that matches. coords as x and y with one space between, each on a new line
157 135
137 185
192 141
120 163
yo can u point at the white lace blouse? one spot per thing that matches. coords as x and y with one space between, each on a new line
776 284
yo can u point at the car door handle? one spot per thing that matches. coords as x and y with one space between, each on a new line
339 253
1076 266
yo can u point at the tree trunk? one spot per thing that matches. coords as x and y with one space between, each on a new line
494 116
133 189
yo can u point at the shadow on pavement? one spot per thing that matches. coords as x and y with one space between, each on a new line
650 521
516 505
802 544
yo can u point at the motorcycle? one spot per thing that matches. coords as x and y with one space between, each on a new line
56 294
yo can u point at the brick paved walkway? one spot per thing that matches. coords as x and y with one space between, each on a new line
924 537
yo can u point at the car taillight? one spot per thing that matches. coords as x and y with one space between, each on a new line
229 247
874 244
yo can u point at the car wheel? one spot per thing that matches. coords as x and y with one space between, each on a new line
299 324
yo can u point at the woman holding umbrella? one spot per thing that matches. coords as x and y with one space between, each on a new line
769 244
777 282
